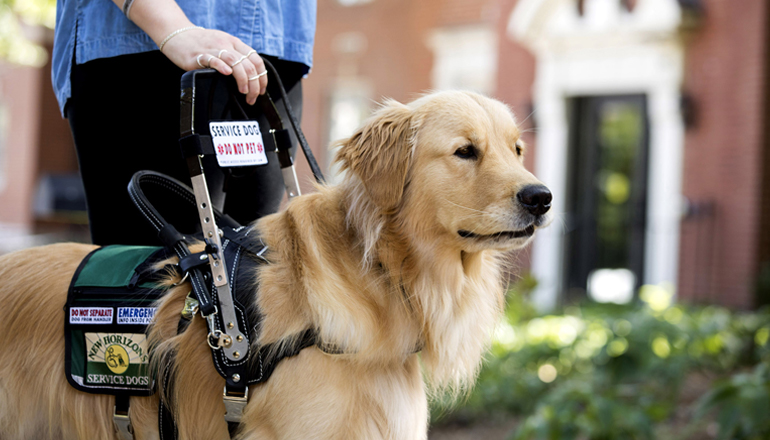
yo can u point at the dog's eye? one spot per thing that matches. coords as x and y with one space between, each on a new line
466 152
518 149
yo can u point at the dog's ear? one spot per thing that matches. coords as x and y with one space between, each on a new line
380 153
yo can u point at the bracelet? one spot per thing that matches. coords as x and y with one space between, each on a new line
174 34
127 8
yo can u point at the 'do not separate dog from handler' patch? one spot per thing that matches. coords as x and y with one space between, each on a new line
396 271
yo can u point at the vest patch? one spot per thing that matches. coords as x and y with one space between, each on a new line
90 315
135 315
116 359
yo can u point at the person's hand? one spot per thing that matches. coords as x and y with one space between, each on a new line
193 48
197 48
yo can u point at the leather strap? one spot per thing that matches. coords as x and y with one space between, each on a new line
121 417
295 124
166 427
200 144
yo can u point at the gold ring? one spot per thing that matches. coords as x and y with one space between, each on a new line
198 60
251 52
258 75
208 62
221 52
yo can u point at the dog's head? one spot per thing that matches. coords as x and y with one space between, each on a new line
450 166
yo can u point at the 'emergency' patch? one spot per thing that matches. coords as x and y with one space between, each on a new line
135 315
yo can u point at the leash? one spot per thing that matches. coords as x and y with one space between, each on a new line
295 125
224 309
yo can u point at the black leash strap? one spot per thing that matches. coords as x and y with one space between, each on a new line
293 119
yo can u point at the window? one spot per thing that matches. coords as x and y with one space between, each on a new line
465 58
349 105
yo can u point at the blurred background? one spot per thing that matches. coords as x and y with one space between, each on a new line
640 312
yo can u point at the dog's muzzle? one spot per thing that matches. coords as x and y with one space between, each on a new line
535 198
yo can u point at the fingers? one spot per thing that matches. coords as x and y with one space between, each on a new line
259 79
235 60
220 66
201 48
244 67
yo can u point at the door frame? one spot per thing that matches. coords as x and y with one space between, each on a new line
607 51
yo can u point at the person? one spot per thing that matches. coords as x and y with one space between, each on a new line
116 74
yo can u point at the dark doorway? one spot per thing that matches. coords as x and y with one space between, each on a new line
607 197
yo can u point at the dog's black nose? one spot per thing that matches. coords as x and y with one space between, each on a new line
535 198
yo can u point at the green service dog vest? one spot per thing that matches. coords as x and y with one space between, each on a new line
110 303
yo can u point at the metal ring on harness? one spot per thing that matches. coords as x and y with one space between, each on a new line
223 339
213 335
184 278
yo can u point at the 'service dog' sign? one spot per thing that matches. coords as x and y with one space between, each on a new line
237 143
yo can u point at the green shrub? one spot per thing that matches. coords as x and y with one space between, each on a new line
741 404
599 371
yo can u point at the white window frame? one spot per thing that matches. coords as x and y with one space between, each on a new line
465 58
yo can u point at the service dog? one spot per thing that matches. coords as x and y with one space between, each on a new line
399 265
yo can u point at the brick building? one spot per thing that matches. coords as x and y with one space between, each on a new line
647 118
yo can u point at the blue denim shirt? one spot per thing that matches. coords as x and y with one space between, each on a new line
98 29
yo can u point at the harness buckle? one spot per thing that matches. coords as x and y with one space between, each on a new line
214 333
234 405
123 423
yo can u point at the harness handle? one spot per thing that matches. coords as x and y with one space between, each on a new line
173 191
167 233
193 134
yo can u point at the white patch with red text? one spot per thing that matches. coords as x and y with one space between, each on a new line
90 315
238 143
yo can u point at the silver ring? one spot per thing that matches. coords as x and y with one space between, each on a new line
250 52
208 62
240 60
221 52
258 75
184 278
198 60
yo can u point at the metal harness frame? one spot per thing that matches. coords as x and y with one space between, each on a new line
228 334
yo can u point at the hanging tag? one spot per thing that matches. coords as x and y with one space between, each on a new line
238 143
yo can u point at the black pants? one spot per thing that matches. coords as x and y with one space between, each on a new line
124 116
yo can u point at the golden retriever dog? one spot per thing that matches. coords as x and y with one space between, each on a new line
399 265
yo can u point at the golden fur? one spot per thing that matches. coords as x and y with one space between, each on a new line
375 264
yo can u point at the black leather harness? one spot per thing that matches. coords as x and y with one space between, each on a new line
233 353
243 254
